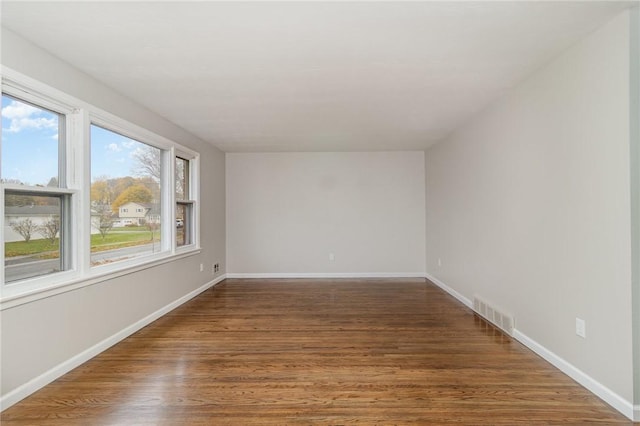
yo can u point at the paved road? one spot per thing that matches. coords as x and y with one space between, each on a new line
25 267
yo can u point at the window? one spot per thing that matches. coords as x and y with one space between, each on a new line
184 202
86 194
31 138
35 199
124 172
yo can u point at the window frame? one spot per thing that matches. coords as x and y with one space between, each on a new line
65 189
118 126
191 202
75 184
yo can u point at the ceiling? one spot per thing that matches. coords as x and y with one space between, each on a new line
309 76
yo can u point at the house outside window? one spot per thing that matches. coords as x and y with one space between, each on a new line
126 177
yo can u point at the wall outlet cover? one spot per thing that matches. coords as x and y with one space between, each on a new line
581 328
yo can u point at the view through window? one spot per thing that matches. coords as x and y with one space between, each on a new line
125 197
134 201
33 222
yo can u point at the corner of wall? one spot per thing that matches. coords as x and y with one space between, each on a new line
634 147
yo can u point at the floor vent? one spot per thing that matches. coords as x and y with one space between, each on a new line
501 320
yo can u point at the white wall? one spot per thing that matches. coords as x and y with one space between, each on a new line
287 211
38 336
528 206
635 195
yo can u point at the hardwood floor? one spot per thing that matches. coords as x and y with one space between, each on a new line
316 352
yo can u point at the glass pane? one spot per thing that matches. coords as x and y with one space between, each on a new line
125 197
182 179
31 235
29 143
183 224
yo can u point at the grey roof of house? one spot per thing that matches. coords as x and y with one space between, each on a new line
154 209
31 210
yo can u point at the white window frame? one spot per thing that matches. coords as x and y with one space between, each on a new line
138 134
193 195
79 117
67 191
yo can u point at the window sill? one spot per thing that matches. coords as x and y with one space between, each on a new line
21 297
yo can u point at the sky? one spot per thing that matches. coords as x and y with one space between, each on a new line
112 154
30 146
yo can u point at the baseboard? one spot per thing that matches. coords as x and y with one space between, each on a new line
607 395
328 275
49 376
449 290
601 391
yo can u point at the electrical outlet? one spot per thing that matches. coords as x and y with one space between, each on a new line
332 257
213 268
581 328
201 267
439 262
216 267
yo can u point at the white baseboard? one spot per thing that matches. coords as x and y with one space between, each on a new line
616 401
597 388
49 376
449 290
328 275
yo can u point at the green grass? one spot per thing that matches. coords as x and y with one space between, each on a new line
130 228
117 238
121 239
21 248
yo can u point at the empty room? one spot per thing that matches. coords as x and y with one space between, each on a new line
320 212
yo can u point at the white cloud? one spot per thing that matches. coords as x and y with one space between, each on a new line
128 144
113 147
23 116
18 110
19 124
136 152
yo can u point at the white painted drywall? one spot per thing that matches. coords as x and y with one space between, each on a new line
40 335
286 212
528 206
635 195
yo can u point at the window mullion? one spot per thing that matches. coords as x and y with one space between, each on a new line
67 255
79 175
169 196
194 194
2 239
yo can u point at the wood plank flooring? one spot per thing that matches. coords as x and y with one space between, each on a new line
371 352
